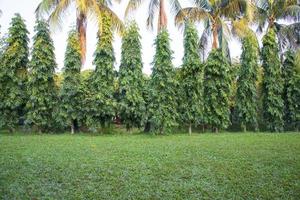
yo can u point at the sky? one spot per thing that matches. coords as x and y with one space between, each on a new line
26 9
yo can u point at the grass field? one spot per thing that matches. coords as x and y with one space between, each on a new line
207 166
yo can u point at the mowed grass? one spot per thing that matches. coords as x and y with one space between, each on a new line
204 166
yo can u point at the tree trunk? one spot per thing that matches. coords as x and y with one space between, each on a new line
190 129
216 130
244 129
215 36
72 127
147 127
162 17
271 22
81 24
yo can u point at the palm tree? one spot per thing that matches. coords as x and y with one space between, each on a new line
215 14
97 8
152 9
269 12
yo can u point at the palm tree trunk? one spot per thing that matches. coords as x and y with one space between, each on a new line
271 22
81 24
190 128
215 36
162 18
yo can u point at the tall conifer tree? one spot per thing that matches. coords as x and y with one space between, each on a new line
191 105
246 96
163 102
132 104
13 74
100 98
272 84
71 91
291 93
217 82
41 87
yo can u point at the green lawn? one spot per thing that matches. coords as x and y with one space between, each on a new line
207 166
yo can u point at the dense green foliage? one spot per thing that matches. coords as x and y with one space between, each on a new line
71 90
41 86
272 83
191 80
246 96
230 166
291 93
214 94
163 103
217 83
131 83
100 98
13 74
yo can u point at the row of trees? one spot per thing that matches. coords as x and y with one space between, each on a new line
195 94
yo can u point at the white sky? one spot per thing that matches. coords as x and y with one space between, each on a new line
27 7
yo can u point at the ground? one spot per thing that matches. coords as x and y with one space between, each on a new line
202 166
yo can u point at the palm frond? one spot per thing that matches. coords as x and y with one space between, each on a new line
224 36
292 13
45 7
261 18
192 13
58 13
204 4
153 6
132 5
288 36
203 42
262 4
233 8
175 6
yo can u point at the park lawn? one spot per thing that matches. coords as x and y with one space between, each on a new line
202 166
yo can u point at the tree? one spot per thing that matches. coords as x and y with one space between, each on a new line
163 106
191 79
214 14
84 8
272 83
272 12
100 99
13 74
152 9
41 86
246 97
217 83
132 103
291 93
71 91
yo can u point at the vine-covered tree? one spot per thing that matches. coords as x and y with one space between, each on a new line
163 105
191 105
217 83
132 104
41 86
71 91
272 83
13 74
100 98
291 93
246 96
